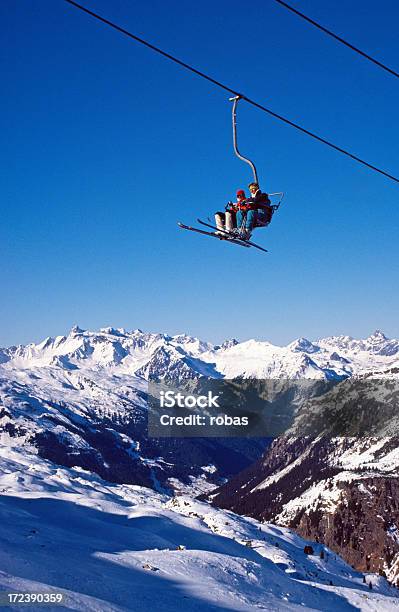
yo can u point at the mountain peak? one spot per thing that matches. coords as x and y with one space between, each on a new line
229 343
303 345
76 330
112 331
377 336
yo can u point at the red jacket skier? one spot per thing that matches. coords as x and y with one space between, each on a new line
226 221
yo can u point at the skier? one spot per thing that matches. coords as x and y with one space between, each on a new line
239 219
226 222
256 211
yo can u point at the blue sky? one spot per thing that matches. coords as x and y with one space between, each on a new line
106 146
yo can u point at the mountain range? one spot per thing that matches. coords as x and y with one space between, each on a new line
80 401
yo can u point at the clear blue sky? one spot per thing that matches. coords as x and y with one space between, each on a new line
106 145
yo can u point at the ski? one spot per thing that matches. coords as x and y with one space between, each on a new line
247 242
217 229
204 233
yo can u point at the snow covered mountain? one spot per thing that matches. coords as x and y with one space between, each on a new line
343 492
114 548
81 401
143 354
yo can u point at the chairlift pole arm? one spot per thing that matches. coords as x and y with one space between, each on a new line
236 151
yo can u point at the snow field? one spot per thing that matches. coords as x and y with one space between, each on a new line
124 547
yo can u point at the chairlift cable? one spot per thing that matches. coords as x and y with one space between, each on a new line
234 92
338 38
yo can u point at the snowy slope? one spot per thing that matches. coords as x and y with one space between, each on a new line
122 547
341 491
